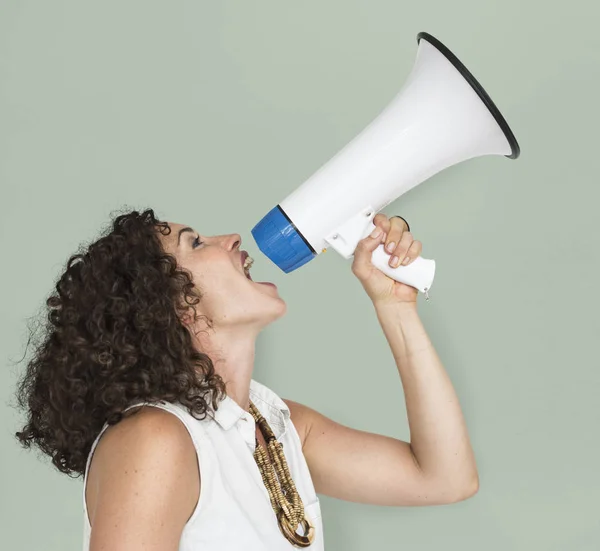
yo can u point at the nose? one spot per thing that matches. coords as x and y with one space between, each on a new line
234 240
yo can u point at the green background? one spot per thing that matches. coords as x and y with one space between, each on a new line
213 112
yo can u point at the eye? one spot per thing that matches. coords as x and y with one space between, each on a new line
196 242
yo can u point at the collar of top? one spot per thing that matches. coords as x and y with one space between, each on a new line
271 406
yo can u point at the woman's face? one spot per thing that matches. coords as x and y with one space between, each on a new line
215 262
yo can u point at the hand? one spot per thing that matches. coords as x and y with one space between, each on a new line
381 288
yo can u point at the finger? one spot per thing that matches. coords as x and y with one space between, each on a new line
395 235
364 252
404 222
382 221
397 256
413 252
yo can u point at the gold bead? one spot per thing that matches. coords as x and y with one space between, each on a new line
284 496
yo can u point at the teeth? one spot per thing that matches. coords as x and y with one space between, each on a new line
248 263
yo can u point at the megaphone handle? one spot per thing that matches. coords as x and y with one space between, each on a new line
419 273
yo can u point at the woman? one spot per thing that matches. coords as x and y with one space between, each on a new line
143 385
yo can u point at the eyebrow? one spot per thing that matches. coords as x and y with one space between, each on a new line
181 231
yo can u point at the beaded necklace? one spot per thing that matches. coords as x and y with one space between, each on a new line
284 496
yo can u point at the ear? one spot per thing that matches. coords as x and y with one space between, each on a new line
186 318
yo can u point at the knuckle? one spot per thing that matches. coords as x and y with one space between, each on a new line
382 221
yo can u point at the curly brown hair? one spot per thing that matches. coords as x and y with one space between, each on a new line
113 336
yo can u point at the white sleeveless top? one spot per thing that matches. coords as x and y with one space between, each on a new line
234 511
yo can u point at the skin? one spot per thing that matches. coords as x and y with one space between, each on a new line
144 480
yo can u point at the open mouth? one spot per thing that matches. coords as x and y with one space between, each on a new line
247 265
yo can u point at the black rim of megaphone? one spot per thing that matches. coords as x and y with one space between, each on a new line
514 145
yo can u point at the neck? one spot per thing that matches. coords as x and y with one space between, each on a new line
233 357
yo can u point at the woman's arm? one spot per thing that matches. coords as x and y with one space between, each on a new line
147 484
436 467
438 434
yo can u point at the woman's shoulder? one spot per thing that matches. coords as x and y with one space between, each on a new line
147 464
146 419
149 432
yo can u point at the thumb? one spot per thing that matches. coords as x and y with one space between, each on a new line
362 264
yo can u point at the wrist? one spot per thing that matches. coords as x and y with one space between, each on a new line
398 312
396 306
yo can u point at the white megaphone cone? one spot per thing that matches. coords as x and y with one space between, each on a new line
442 116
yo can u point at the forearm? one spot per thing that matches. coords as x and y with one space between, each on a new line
438 433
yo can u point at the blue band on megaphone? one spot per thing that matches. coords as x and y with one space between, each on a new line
279 239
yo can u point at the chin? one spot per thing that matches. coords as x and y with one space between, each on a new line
271 315
282 307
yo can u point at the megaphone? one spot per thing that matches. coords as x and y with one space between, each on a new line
441 116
